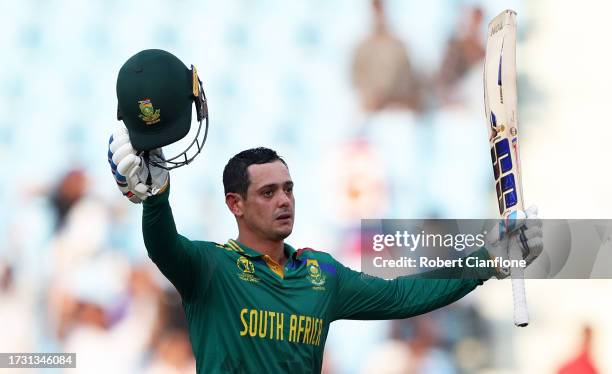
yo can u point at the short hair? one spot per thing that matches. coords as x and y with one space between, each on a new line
236 176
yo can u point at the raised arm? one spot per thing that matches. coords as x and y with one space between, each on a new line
360 296
178 258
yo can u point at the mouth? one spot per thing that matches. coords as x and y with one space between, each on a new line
284 217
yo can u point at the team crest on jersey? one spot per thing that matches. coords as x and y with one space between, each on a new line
315 275
247 270
149 114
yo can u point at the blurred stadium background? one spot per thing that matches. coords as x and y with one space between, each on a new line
378 110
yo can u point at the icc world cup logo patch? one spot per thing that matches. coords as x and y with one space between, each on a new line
149 114
247 270
245 265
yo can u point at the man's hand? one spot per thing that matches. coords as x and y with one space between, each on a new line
525 233
135 177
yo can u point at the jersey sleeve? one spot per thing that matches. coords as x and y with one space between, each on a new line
364 297
182 261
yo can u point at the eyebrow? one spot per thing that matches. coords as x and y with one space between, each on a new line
275 185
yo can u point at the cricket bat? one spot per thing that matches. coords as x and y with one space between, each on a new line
500 97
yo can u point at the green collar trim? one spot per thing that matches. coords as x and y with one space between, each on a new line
241 248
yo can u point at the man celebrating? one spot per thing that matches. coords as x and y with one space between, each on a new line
255 304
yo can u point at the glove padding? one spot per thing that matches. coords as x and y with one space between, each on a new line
526 234
136 178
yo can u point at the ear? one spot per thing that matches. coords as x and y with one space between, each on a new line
235 203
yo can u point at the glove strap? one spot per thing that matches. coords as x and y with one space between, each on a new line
146 158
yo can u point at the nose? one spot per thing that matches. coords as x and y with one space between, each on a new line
284 199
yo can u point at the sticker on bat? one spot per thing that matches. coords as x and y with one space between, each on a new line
505 182
495 129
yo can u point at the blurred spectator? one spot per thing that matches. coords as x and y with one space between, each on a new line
464 50
172 352
69 191
359 184
583 362
109 311
382 72
390 357
451 340
414 347
6 277
422 335
17 312
101 320
84 224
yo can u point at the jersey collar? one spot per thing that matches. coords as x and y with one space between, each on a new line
241 248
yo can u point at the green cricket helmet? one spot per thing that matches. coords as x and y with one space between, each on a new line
155 92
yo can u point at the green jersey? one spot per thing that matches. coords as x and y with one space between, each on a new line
248 314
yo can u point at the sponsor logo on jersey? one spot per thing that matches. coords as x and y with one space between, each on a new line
247 270
149 114
315 275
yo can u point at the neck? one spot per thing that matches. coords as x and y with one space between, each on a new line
273 248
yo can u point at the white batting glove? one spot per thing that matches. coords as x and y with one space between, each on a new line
525 234
135 177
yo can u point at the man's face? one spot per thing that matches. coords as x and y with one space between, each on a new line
268 209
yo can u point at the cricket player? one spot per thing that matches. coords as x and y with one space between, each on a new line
256 304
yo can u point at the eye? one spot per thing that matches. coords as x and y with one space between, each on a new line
268 193
289 189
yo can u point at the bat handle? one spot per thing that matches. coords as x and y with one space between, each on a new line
521 314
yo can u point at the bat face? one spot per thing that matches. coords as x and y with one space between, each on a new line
500 109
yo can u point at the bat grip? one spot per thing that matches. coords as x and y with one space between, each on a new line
521 315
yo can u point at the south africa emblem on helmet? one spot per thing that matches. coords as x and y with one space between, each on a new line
315 275
149 114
